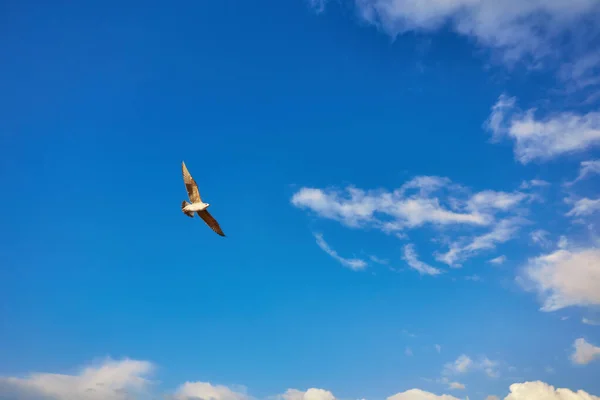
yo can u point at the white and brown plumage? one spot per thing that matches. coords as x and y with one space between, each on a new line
197 204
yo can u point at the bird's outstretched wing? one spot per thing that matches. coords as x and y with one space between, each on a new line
210 221
190 185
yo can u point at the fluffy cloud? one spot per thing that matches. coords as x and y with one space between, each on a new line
417 394
542 391
518 391
127 380
564 278
110 380
207 391
542 139
310 394
410 256
352 263
584 352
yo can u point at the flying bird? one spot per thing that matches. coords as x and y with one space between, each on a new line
197 205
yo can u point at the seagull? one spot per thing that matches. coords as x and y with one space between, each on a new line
197 205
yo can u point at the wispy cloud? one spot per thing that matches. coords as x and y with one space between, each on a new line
411 258
464 364
354 207
588 321
584 352
542 139
533 183
457 385
516 30
540 237
498 260
409 334
378 260
424 201
587 169
352 263
584 206
461 250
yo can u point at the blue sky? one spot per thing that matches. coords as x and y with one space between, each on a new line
409 193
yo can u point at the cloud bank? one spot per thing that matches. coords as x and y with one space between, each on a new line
127 379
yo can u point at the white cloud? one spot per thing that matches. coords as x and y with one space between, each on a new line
461 365
464 364
207 391
456 385
498 260
417 394
562 242
352 263
503 231
438 348
408 351
489 367
310 394
542 391
540 237
489 200
584 207
533 183
109 380
517 30
492 397
410 256
127 380
586 169
378 260
584 352
588 321
565 278
424 200
542 139
582 73
357 208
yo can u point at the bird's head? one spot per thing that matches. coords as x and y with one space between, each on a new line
207 205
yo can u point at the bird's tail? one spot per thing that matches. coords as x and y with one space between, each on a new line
188 213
